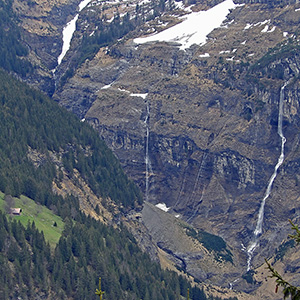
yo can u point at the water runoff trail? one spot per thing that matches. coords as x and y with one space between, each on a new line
149 169
258 230
191 199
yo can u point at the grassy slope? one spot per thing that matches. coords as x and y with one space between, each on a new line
43 217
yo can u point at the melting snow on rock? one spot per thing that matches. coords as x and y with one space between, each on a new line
68 32
194 28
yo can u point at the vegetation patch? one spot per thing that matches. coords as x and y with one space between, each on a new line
279 52
86 251
12 49
45 220
212 243
283 248
249 277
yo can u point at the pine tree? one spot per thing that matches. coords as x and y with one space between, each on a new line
288 288
9 203
99 292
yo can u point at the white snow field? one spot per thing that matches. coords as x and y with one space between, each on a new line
194 28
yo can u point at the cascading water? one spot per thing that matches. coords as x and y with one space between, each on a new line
258 230
147 158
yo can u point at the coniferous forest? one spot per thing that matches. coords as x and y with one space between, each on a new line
11 49
30 119
86 250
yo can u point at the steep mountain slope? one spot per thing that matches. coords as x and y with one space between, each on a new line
196 128
50 156
41 24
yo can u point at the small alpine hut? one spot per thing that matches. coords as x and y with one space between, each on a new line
16 211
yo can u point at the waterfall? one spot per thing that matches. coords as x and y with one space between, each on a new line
68 32
147 158
258 230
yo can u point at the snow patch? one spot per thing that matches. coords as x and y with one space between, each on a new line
229 23
204 55
266 29
123 90
162 206
262 23
144 2
224 51
67 37
69 30
230 59
273 29
179 5
83 4
139 95
194 28
248 26
106 86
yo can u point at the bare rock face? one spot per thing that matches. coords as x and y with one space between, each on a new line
42 23
171 234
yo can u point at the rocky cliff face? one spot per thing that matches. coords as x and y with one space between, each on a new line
197 129
42 23
212 122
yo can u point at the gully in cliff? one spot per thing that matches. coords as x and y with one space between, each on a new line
68 32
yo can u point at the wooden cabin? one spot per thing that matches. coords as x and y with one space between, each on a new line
16 211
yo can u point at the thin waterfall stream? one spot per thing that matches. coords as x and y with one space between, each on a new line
147 158
258 230
191 199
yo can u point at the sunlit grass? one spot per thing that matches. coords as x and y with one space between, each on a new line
43 218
